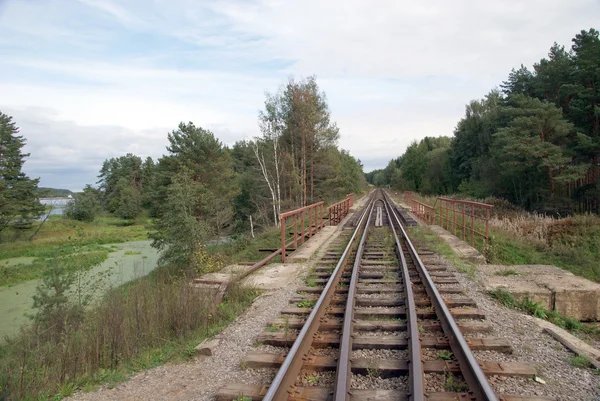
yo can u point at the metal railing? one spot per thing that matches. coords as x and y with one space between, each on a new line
339 210
313 214
463 216
456 216
422 210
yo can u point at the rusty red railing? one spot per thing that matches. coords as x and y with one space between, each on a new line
311 214
339 210
422 210
464 216
455 215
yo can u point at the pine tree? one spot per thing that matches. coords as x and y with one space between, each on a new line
17 199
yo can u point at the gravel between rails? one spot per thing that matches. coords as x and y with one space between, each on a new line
374 382
530 345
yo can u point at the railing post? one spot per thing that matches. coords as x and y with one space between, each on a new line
302 228
464 222
295 232
473 226
320 213
282 225
486 225
454 215
309 223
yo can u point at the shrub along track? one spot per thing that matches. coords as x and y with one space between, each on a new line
358 331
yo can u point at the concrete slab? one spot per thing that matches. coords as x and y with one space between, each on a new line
521 289
459 246
551 286
274 275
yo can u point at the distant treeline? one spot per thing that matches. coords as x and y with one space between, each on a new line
44 192
535 142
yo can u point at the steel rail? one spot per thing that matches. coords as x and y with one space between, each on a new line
291 366
415 364
342 386
469 367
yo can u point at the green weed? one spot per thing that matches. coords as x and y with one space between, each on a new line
306 304
454 385
580 361
507 272
127 253
445 355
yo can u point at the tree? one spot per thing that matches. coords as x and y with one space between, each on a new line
17 198
181 232
121 180
84 206
534 141
196 203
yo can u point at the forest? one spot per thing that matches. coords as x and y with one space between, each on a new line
534 141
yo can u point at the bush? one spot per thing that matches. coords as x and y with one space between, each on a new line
84 207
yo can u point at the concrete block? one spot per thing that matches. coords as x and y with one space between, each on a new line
520 290
574 296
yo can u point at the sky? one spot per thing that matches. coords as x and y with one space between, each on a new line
87 80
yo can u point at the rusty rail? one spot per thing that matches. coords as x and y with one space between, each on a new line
339 210
313 213
416 373
416 382
472 372
457 214
283 382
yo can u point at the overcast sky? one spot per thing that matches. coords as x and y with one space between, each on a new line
87 80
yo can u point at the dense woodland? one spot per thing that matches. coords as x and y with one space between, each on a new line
535 141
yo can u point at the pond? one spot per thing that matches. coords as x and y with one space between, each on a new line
131 260
57 206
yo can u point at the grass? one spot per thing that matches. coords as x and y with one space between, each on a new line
507 272
574 246
82 242
520 238
426 237
85 257
239 250
454 385
536 309
306 304
146 323
579 361
445 355
128 253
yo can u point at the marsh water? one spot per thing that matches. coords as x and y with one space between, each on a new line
55 205
131 260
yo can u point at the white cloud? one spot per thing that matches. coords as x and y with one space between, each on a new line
93 79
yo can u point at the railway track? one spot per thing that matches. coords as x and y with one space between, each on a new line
374 323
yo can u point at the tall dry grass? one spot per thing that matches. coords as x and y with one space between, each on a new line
72 345
548 230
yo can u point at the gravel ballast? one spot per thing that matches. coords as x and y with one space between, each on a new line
530 345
